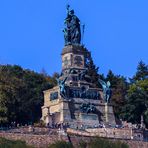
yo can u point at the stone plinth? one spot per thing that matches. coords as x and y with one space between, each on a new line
82 104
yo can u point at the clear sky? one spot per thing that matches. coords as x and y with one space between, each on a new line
116 33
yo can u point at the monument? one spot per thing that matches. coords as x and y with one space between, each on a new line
75 102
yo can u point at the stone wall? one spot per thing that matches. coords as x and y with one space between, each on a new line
43 140
104 132
39 141
112 133
132 144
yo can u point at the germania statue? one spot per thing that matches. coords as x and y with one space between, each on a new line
72 31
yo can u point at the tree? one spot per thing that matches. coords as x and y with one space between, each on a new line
137 102
55 76
21 94
119 88
10 85
51 79
142 71
112 78
146 117
137 97
92 69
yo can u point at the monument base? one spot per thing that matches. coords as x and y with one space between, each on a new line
67 112
81 105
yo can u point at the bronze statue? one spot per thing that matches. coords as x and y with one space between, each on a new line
87 108
62 86
72 32
81 75
106 90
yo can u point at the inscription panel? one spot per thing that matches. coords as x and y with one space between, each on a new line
88 117
87 94
78 61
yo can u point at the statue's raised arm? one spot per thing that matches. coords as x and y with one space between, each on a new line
103 84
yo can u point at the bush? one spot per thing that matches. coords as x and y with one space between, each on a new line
39 124
4 143
82 144
61 144
105 143
94 143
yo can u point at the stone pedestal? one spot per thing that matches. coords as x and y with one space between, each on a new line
83 104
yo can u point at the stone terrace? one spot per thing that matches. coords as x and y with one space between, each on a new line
42 137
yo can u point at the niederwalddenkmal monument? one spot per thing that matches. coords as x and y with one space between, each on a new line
76 101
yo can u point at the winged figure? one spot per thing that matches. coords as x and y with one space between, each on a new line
106 90
61 84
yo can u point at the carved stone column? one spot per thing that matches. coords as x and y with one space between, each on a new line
106 112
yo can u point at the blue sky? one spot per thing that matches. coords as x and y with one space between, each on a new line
116 33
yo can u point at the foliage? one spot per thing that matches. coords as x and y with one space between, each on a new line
142 72
51 79
130 100
39 124
21 94
61 144
94 143
92 69
119 87
137 102
105 143
4 143
146 117
137 96
82 144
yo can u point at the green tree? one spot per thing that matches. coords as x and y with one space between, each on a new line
137 97
137 102
92 69
9 87
142 71
119 88
146 116
51 79
114 79
21 95
54 78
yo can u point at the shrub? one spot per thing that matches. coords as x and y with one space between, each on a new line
105 143
94 143
4 143
82 144
61 144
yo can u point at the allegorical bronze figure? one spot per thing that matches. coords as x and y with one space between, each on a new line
106 90
72 31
